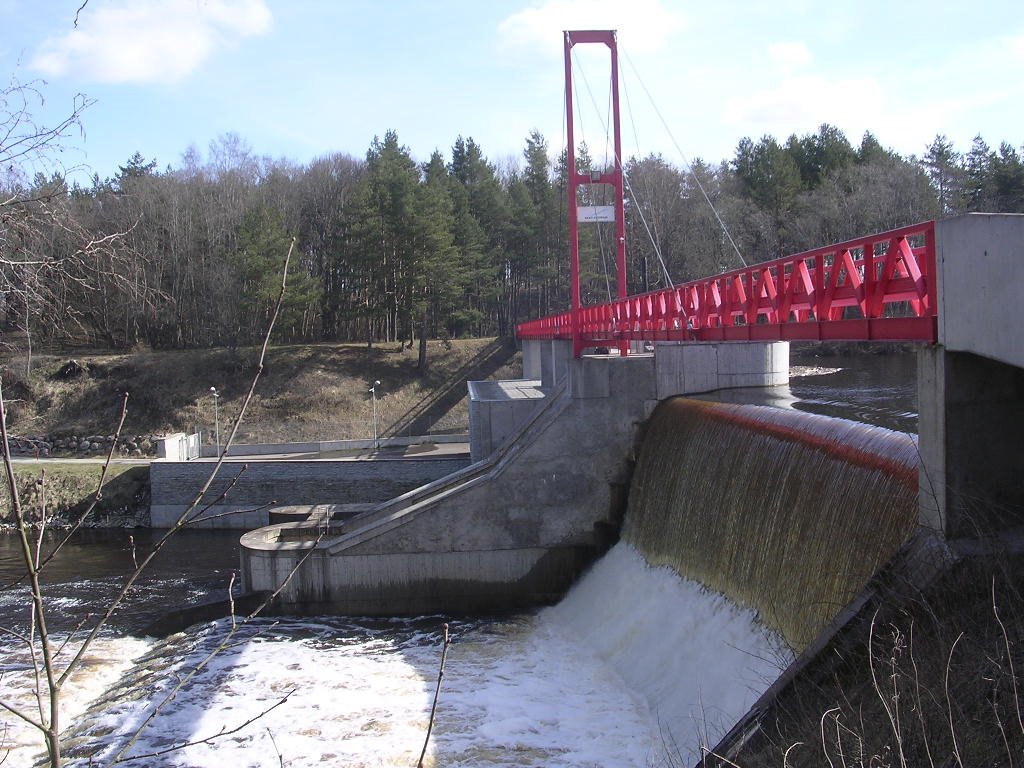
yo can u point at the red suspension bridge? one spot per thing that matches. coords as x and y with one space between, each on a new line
878 287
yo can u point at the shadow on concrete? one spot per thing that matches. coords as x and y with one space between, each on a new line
446 395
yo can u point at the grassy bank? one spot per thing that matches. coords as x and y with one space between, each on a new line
306 392
66 489
919 678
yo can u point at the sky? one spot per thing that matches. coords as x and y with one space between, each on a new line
299 79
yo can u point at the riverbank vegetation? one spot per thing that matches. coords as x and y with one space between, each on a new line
927 677
307 392
60 491
391 248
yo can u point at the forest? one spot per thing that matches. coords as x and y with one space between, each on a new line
392 248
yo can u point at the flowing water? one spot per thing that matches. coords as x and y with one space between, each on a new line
635 667
597 680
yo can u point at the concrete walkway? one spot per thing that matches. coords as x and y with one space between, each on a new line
384 453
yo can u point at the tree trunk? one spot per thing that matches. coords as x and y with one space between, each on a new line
421 363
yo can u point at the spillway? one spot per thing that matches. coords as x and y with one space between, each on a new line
747 529
785 512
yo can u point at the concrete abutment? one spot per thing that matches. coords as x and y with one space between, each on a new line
971 383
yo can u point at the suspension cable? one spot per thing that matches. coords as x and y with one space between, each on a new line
652 235
636 140
661 260
675 143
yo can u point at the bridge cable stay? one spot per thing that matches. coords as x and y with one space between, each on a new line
689 165
655 238
583 134
650 195
629 186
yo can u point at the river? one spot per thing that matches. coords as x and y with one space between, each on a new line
592 681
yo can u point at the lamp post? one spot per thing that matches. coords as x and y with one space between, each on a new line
216 416
373 396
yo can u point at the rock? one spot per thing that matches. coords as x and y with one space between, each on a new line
70 370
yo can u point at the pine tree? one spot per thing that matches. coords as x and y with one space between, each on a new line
436 277
979 185
944 166
1008 179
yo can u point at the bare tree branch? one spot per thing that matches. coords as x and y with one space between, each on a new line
437 694
49 723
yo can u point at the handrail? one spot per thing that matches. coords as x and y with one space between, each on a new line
878 287
389 513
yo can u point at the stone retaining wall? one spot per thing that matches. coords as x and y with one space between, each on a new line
262 484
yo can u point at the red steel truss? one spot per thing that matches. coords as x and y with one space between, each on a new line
879 287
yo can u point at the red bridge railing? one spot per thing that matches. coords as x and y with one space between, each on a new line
880 287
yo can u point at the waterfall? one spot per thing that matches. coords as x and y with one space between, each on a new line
696 660
787 513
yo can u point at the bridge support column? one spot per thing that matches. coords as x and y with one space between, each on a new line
971 436
971 384
555 357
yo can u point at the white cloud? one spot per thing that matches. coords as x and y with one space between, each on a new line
790 56
643 25
149 40
800 104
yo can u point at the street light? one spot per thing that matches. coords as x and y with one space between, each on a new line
216 416
373 396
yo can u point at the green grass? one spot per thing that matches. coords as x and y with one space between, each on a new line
67 488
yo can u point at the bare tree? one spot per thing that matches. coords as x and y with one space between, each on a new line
51 265
54 662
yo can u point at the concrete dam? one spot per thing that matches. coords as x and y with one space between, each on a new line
791 491
588 463
755 531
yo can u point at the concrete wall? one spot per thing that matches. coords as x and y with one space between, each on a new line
279 483
695 367
497 409
980 258
325 446
971 385
514 529
971 431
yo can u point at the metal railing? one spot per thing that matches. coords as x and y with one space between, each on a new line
878 287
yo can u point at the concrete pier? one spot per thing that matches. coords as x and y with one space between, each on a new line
971 384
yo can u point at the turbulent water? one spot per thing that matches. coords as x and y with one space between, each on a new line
799 512
635 667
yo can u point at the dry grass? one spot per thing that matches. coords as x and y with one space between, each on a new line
307 392
928 678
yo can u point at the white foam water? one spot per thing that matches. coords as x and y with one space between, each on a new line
102 666
636 667
698 660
